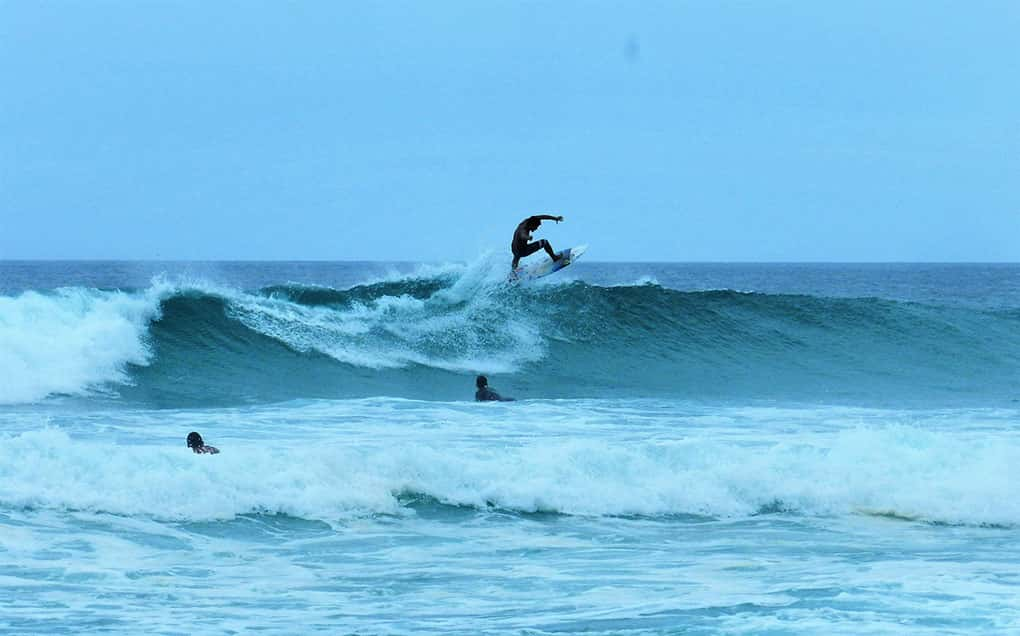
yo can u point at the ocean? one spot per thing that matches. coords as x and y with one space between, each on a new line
694 449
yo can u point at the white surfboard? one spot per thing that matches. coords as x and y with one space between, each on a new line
547 266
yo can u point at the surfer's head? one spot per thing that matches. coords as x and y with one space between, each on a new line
195 440
481 382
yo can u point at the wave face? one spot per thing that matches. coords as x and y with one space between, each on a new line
426 335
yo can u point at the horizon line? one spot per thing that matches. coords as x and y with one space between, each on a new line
436 262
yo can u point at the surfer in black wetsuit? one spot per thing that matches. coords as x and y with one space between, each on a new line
485 394
196 444
521 246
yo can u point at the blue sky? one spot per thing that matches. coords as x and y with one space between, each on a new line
671 131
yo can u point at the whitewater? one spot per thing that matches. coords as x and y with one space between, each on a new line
695 448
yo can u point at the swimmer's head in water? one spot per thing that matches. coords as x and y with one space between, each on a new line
481 382
195 440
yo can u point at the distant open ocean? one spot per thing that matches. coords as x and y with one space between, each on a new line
695 449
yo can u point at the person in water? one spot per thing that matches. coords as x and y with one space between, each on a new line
485 394
521 245
196 444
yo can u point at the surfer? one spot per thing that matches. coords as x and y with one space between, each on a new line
196 444
521 245
485 394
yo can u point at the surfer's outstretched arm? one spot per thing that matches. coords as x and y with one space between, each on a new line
546 217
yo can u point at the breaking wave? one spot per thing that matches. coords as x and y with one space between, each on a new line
426 335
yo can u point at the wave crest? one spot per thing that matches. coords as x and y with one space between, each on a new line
71 340
420 335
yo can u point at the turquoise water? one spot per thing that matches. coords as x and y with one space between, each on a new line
697 449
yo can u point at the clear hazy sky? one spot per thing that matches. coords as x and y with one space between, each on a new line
675 131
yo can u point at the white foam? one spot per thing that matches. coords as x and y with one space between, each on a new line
463 327
71 340
47 469
903 471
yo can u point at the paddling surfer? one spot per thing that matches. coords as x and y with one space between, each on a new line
198 445
485 394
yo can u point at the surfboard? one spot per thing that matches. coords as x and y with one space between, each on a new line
547 266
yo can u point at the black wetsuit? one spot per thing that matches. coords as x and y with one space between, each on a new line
488 395
520 246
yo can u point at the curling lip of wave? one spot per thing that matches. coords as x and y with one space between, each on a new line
71 340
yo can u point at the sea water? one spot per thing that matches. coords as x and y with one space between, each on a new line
694 449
